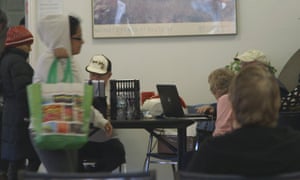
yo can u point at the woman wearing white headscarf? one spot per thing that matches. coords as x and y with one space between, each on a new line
59 32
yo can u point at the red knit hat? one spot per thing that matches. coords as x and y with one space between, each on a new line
17 36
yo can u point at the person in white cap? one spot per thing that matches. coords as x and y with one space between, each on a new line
254 57
107 152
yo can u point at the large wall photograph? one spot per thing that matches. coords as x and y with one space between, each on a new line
154 18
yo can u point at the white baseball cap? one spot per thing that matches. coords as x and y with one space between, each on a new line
252 55
99 64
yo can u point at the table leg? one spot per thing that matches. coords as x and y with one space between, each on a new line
181 150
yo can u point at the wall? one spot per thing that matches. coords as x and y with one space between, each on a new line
14 10
269 25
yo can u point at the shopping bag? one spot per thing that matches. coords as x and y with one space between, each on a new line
60 111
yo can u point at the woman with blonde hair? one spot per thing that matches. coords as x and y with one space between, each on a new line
219 81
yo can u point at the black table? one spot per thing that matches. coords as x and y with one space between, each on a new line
150 125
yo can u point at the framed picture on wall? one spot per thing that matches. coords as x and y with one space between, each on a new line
160 18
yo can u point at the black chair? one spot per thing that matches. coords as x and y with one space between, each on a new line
203 176
171 157
289 74
204 129
26 175
159 158
289 119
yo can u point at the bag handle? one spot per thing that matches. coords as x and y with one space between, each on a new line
68 75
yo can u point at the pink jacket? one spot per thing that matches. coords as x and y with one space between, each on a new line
224 121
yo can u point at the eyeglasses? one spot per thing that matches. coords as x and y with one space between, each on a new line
77 38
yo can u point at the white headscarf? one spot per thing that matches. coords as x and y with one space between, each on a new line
54 32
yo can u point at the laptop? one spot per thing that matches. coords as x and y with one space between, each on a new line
171 104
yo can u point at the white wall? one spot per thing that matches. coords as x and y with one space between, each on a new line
272 26
269 25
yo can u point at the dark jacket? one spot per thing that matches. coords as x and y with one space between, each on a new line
2 39
16 74
250 151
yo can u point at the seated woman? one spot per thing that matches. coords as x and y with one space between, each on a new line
256 146
219 81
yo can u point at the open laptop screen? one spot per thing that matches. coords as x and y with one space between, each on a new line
170 100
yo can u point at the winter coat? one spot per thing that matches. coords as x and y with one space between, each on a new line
16 74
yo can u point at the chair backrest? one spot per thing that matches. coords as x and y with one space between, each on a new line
290 72
289 119
203 176
26 175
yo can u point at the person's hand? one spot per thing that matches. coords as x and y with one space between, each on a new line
60 53
108 129
205 109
